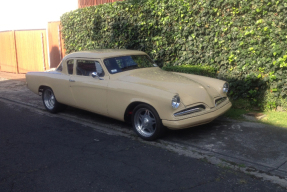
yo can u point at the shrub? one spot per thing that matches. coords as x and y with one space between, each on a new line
244 40
193 69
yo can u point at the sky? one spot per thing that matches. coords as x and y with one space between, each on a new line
32 14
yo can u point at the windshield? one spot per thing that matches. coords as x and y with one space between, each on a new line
125 63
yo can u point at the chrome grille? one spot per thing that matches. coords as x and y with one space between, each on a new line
219 101
190 110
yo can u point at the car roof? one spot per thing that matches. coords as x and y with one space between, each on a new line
104 53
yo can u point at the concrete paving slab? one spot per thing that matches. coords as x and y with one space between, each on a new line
16 90
246 143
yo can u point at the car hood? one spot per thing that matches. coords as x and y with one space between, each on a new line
189 90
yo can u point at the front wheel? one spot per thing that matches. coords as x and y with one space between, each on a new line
50 102
146 122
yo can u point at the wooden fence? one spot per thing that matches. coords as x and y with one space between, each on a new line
56 43
23 51
8 59
87 3
26 50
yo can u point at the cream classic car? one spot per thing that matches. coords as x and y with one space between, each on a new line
128 86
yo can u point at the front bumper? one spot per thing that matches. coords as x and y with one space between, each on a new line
197 120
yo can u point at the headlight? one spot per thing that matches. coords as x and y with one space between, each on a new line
175 102
225 88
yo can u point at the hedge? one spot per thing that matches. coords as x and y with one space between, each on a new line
193 69
243 40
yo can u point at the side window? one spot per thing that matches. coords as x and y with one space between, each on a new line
60 67
70 66
87 67
99 69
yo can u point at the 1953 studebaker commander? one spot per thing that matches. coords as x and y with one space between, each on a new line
128 86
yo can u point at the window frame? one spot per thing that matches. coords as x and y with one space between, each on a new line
67 68
89 59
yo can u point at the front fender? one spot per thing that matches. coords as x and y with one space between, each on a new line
121 94
217 84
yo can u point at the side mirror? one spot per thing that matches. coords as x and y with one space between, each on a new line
95 75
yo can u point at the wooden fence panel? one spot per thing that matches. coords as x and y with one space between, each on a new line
56 46
54 41
62 46
8 62
31 48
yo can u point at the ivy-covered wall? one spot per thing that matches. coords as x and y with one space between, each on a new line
245 41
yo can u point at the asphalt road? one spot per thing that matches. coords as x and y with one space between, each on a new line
40 152
258 149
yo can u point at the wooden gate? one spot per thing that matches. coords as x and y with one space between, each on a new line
8 59
23 51
31 50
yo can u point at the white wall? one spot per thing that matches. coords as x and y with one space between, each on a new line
32 14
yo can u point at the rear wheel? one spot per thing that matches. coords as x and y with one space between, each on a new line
146 122
50 102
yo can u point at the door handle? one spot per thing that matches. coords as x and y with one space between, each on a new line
72 80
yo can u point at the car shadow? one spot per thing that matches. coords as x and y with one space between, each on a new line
193 133
95 118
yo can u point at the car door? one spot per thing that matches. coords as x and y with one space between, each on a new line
60 82
90 93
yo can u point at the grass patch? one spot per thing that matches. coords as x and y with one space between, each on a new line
275 118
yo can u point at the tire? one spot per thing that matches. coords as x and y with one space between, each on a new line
50 102
146 122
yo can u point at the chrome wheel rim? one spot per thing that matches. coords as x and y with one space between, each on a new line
145 122
49 99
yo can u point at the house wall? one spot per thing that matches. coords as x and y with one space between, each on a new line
87 3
